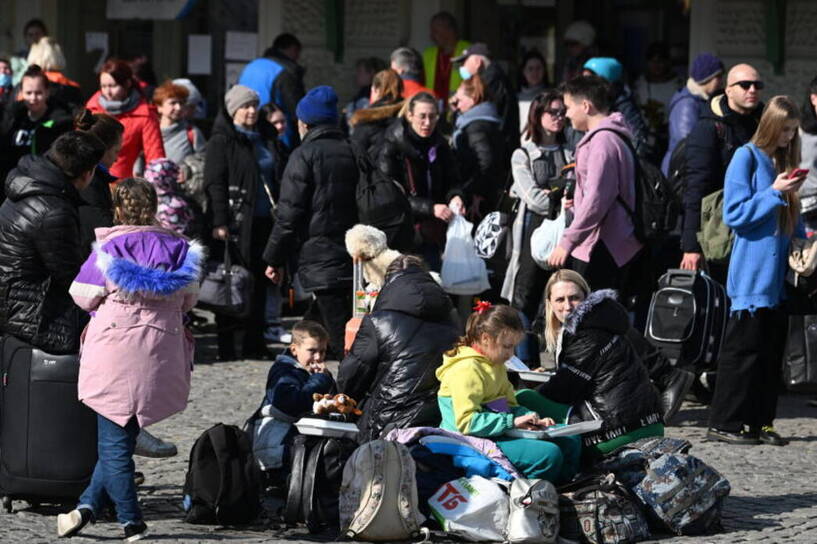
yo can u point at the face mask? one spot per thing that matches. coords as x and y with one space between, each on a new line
5 80
464 73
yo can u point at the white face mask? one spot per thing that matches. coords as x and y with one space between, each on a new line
464 73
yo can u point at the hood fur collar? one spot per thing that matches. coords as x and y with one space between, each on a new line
377 113
582 310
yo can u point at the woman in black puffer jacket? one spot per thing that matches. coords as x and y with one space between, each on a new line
369 124
417 155
479 146
599 372
391 366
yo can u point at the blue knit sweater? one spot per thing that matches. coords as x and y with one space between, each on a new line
757 269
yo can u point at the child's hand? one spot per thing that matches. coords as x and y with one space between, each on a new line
317 368
532 422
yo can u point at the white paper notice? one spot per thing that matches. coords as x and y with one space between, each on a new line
232 71
241 45
199 54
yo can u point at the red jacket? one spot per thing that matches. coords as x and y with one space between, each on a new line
142 133
410 88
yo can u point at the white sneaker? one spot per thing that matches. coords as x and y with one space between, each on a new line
277 335
148 445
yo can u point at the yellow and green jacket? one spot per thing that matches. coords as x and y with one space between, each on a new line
430 65
469 382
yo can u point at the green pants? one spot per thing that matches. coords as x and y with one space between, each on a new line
547 408
556 460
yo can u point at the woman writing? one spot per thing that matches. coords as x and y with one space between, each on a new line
762 207
598 370
119 97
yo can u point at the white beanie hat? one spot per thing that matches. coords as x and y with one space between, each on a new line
580 32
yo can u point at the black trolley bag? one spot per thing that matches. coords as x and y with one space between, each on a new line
48 446
800 357
687 319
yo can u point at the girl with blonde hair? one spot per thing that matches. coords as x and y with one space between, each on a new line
762 207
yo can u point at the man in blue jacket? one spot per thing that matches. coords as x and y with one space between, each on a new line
278 78
705 81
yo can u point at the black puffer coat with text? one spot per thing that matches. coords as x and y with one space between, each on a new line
399 346
599 372
39 256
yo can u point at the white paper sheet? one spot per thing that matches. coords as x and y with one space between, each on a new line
241 45
199 54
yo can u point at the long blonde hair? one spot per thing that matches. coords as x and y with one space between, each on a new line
552 323
779 111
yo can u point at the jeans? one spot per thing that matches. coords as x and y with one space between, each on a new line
112 480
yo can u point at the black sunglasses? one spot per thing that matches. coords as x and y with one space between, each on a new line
746 85
559 112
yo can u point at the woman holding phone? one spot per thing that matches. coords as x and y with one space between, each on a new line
762 207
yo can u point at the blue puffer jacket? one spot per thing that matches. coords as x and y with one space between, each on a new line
684 109
757 268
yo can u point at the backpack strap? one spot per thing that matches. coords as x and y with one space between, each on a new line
312 516
292 509
191 136
221 447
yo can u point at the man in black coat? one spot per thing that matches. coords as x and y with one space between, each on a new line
726 123
40 251
476 60
316 207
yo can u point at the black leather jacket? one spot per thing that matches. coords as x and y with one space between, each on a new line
600 373
396 352
40 256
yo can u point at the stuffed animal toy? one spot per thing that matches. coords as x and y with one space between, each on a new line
337 404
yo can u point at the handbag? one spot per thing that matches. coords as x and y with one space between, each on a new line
803 256
226 288
493 229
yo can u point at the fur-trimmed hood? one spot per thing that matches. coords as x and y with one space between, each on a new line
600 310
376 113
148 261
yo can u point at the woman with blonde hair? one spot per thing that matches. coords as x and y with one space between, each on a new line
762 207
48 55
600 371
369 124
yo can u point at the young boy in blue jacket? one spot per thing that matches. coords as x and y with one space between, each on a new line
291 382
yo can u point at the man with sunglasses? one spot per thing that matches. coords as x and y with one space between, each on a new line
727 123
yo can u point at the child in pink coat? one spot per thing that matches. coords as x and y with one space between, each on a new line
136 353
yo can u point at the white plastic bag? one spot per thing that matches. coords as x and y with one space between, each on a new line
472 508
545 238
463 272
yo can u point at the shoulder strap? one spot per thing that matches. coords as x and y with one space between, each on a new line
191 136
410 176
636 167
311 513
292 509
221 447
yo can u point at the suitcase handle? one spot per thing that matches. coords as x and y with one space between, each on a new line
678 277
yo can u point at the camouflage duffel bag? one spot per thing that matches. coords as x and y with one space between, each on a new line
600 510
679 492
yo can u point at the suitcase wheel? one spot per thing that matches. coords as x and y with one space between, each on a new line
7 506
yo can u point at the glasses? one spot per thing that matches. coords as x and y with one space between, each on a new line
746 85
560 112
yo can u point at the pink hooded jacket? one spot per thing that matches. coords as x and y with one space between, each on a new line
604 170
136 354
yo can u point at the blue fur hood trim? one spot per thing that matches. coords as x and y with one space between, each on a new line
586 306
133 278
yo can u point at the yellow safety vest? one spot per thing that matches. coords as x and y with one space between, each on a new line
430 65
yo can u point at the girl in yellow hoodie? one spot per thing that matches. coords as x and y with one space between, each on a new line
476 398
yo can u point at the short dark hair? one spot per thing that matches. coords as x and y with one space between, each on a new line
108 129
309 329
592 88
447 18
285 41
34 71
76 153
35 22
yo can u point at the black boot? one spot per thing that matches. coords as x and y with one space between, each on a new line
675 387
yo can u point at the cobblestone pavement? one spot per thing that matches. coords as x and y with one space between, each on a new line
774 490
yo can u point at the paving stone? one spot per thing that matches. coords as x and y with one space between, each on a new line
774 491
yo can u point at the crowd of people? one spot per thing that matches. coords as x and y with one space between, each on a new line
124 180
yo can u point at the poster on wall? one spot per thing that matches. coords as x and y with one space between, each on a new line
148 9
199 47
240 45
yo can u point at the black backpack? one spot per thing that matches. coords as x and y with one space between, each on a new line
657 206
222 482
678 160
382 202
313 489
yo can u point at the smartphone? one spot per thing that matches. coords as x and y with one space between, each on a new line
798 172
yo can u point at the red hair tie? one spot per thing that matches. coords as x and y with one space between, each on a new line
482 306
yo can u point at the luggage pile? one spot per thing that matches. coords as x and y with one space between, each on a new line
386 491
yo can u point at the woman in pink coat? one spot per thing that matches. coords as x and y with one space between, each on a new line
136 354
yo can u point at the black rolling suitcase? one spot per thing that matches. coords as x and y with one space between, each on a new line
687 319
800 359
47 437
